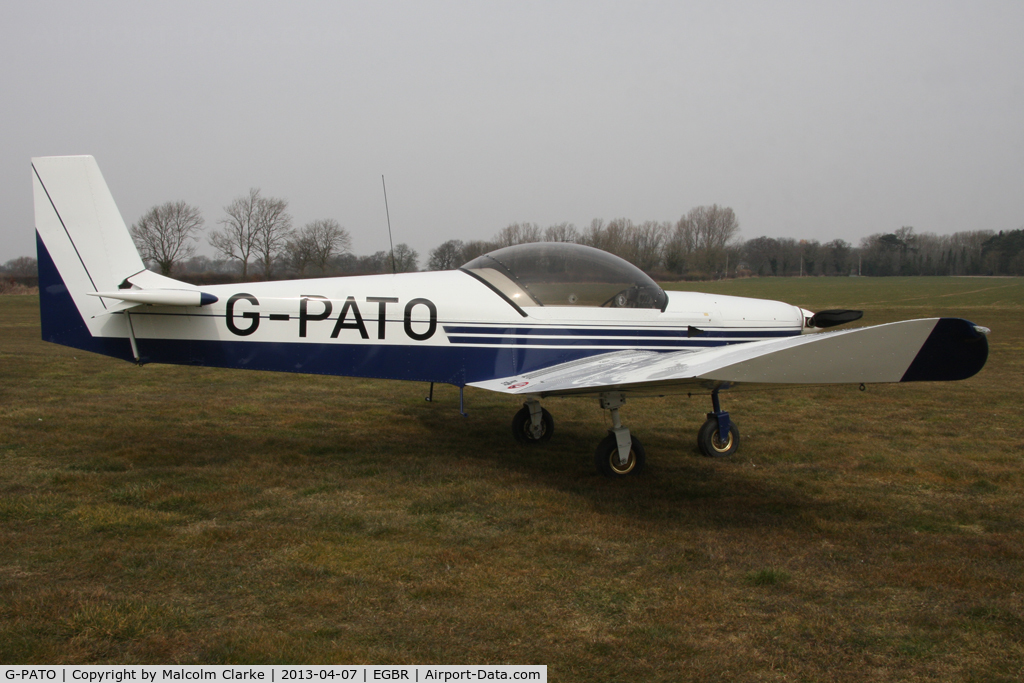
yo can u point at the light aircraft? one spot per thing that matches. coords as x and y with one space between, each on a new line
533 320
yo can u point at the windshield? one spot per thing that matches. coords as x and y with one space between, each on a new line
561 274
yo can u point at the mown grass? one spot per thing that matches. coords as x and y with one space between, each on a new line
166 514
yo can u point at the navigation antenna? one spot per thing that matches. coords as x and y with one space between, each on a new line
390 240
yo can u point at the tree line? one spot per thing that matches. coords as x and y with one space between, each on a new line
703 245
255 238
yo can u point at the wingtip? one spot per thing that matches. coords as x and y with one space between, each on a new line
956 349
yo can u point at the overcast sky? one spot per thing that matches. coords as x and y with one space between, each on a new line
816 120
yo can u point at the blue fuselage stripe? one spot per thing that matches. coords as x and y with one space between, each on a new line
638 332
424 363
622 343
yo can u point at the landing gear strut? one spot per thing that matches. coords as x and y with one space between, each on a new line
619 454
709 437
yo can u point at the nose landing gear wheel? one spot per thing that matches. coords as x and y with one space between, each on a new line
607 458
710 442
522 427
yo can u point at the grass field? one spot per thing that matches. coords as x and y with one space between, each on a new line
191 515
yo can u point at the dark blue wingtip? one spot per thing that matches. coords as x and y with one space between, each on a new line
206 299
955 349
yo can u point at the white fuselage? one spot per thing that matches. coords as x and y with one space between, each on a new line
437 326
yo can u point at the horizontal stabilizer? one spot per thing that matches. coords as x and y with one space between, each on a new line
160 297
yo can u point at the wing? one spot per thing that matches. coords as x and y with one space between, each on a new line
934 349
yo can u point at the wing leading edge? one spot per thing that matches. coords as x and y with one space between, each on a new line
933 349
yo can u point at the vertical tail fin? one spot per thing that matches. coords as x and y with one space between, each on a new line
83 246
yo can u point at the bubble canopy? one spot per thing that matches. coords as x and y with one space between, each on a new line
562 274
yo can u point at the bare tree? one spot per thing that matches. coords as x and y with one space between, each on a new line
641 244
237 241
762 254
406 258
611 236
815 257
889 253
593 235
317 243
273 230
838 257
299 253
165 233
518 233
446 256
713 227
680 246
377 262
645 244
255 228
616 236
350 264
1004 253
471 250
971 247
23 266
561 232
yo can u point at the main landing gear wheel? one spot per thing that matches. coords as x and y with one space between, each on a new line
607 458
711 443
522 427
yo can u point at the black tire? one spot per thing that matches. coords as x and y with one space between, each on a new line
521 426
711 445
607 458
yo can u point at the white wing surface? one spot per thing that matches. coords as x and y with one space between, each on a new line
934 349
